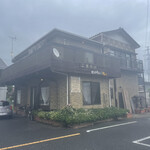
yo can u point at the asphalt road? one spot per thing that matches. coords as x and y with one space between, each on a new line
131 134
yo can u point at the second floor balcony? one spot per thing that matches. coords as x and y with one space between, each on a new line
102 65
131 64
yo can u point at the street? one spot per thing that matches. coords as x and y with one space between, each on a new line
129 134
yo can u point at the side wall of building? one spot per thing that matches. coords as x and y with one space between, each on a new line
127 84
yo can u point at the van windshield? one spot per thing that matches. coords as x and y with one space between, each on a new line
4 103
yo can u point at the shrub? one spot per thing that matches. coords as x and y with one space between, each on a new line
69 115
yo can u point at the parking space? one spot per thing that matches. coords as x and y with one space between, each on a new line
20 133
143 142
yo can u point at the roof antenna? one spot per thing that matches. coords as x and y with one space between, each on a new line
12 46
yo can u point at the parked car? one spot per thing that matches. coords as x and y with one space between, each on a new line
6 109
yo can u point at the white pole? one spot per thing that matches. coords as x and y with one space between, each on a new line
109 95
67 90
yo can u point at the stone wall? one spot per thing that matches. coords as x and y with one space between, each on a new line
58 92
76 97
62 92
53 95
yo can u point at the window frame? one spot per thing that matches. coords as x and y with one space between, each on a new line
46 87
91 101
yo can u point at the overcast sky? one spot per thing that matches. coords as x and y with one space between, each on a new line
28 20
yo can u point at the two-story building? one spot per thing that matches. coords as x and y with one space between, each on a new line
120 44
62 68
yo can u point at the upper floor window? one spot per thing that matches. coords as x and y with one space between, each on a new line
88 58
128 60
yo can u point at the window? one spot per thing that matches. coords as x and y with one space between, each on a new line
91 93
111 53
88 58
128 59
111 93
45 95
18 96
79 55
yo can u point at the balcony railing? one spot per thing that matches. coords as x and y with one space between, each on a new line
106 66
131 64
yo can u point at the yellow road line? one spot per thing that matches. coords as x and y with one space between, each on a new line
42 141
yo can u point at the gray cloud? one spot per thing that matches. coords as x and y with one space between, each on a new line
28 20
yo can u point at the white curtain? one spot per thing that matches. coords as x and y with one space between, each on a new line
45 93
87 93
18 96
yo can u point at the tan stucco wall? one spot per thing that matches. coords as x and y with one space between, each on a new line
128 85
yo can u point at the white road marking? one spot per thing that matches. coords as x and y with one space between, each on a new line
117 125
140 140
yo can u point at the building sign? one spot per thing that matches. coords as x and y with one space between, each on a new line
98 72
75 85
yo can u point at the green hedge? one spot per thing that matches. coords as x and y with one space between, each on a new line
70 115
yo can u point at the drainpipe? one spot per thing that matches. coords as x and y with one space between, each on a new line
115 90
66 84
67 90
109 95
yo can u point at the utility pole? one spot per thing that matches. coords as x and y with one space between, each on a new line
12 46
148 62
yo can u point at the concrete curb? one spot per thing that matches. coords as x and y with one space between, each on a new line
143 115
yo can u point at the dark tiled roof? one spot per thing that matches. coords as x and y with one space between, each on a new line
2 64
52 33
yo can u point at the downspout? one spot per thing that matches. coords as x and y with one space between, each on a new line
109 95
115 90
66 84
67 90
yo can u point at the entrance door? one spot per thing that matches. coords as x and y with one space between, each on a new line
121 103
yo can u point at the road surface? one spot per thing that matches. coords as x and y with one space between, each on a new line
21 134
